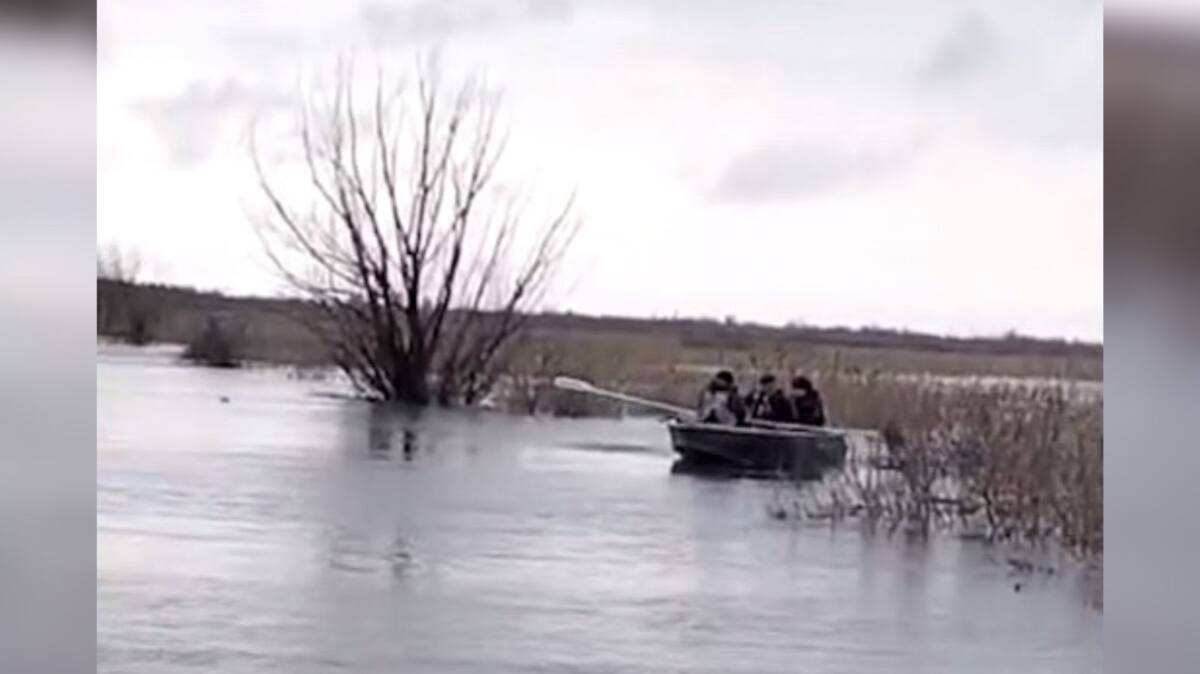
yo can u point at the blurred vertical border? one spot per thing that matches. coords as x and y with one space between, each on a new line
76 16
47 343
1152 328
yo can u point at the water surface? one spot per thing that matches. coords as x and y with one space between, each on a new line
248 525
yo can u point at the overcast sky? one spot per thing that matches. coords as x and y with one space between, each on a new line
930 165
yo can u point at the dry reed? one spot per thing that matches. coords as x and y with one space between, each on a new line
1009 462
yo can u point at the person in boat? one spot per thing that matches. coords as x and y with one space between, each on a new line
720 402
806 403
768 402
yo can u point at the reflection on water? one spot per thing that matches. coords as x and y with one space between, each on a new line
287 532
383 426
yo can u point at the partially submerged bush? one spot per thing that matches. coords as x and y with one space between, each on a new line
1013 463
216 345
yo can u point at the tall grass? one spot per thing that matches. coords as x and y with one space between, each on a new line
1013 463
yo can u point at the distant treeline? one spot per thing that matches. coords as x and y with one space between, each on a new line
709 333
273 333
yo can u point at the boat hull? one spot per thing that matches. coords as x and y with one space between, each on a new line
762 452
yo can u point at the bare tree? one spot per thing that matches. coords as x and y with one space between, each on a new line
124 307
114 263
400 237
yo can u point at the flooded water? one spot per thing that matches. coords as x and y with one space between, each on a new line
246 524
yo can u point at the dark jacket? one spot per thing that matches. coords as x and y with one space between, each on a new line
774 406
809 409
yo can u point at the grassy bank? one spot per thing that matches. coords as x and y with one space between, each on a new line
857 379
619 349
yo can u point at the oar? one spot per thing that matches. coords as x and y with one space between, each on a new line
581 386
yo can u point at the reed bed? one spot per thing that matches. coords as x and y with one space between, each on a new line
1012 463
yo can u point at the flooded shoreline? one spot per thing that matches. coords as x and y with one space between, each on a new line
246 525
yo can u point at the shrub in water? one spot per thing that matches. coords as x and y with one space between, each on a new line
214 346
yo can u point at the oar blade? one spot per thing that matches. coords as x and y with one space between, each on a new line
572 384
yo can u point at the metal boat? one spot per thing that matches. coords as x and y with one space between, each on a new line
762 450
756 448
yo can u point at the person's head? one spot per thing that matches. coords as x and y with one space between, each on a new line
802 384
723 380
767 382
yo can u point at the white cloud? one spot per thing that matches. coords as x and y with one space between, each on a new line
783 170
961 139
405 22
1031 76
192 122
963 53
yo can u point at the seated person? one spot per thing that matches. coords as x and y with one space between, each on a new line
768 402
806 403
720 402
